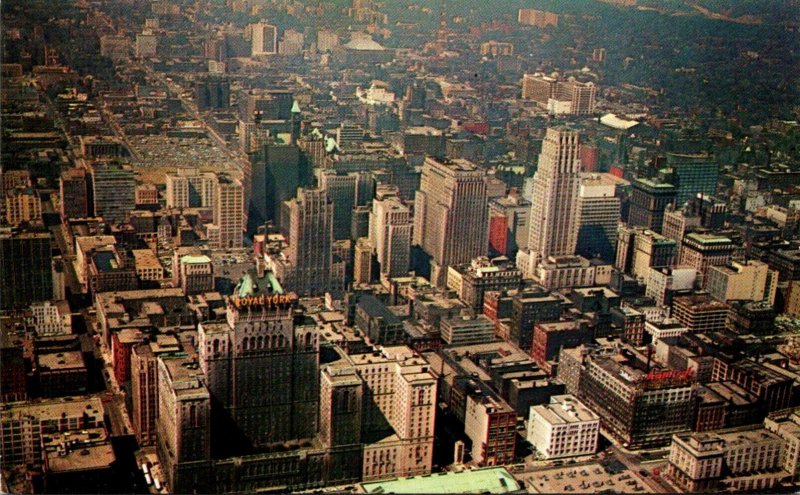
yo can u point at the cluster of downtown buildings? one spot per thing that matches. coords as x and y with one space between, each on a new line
245 263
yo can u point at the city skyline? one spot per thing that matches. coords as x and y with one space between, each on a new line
421 246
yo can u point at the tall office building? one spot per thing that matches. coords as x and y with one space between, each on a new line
184 420
598 218
265 38
362 262
748 281
508 224
695 174
261 368
554 212
276 177
341 190
701 251
144 384
113 192
390 234
649 201
451 214
677 223
75 189
189 188
310 232
26 274
639 250
228 227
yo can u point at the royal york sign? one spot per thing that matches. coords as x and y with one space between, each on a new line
271 301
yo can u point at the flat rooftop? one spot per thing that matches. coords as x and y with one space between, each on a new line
485 480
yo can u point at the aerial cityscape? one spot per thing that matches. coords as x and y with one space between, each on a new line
400 246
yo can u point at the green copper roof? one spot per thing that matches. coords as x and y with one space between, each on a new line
249 285
295 107
273 282
245 286
486 480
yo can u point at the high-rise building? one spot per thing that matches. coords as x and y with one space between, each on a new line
265 39
399 410
291 43
508 224
554 212
25 268
113 192
579 95
144 384
451 214
677 223
341 190
649 200
529 307
184 420
23 204
749 281
227 230
639 408
695 174
471 280
390 234
539 88
262 368
310 233
74 188
639 250
701 251
598 218
362 261
189 188
340 407
276 177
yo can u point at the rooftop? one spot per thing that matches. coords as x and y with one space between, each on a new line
564 409
485 480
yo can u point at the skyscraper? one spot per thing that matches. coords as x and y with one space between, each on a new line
276 177
261 368
598 217
696 173
226 231
188 188
265 38
649 200
310 229
554 212
390 234
25 268
341 190
114 191
451 214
